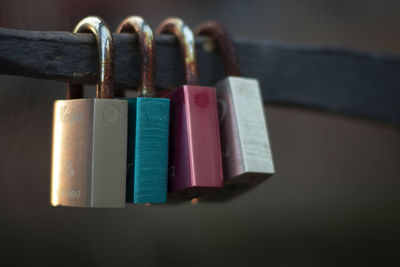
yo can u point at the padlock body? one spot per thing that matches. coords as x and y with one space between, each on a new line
195 153
148 137
89 153
246 151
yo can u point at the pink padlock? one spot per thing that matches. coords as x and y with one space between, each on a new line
195 152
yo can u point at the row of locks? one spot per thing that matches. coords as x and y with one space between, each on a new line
195 142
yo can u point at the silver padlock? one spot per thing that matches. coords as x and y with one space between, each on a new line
246 151
90 136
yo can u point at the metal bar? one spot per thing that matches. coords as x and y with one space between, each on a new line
330 79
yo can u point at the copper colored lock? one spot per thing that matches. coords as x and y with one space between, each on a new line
89 136
195 164
246 151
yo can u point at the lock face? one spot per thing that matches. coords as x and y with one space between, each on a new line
195 153
148 129
89 153
246 151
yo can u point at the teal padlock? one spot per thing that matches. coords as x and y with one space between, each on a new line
148 127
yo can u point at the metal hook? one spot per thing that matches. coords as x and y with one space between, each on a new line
136 24
223 40
187 44
105 45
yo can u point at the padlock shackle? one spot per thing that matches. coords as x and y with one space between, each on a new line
105 46
187 44
222 39
136 24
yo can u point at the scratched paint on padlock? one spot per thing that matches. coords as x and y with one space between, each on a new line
151 150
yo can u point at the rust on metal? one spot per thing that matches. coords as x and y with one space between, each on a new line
187 44
217 32
105 45
136 24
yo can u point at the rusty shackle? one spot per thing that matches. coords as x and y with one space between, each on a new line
187 44
136 24
105 46
224 43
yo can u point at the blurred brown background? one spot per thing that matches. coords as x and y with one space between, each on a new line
335 198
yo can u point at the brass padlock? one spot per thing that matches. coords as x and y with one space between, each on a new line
90 136
246 151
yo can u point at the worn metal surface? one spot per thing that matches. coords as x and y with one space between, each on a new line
138 26
187 44
224 44
105 46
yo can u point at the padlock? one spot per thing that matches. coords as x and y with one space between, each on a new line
245 145
148 126
90 136
195 153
